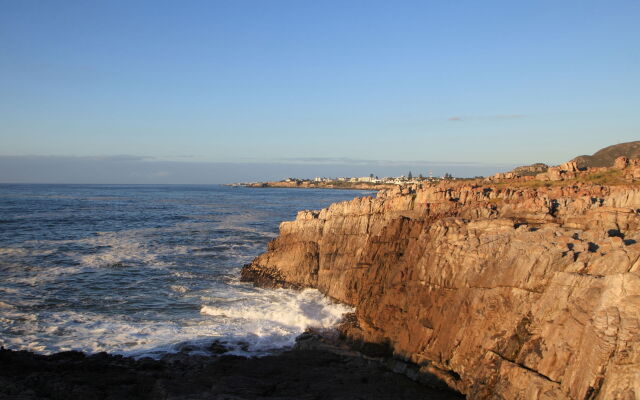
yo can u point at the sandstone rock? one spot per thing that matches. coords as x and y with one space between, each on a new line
621 163
565 171
531 169
514 293
503 175
570 166
525 171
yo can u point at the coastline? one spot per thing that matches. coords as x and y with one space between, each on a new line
388 234
316 185
511 257
195 368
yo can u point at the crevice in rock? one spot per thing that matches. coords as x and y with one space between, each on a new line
533 371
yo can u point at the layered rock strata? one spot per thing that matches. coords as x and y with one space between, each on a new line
502 292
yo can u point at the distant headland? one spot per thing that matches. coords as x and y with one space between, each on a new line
586 168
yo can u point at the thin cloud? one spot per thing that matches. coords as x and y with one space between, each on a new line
119 158
325 160
458 118
105 158
316 161
367 162
103 169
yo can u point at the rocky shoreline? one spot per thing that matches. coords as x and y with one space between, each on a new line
315 369
514 287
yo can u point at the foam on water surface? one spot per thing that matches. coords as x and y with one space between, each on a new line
146 271
255 325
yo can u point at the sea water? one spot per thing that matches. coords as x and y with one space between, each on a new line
146 270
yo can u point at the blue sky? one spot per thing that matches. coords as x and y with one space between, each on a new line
282 86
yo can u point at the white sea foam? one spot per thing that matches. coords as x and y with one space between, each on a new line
134 247
23 252
137 247
284 308
273 320
80 295
123 248
12 251
5 305
44 275
184 275
178 288
258 323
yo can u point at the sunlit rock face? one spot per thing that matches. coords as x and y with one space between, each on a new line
501 291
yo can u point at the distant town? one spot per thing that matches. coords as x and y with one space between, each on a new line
400 180
364 182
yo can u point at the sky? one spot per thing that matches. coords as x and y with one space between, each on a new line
222 91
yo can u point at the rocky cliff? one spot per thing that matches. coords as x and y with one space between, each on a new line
502 291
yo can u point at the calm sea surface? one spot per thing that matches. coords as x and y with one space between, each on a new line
144 270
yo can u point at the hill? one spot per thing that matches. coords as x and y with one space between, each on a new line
605 157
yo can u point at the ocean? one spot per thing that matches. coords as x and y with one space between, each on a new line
146 270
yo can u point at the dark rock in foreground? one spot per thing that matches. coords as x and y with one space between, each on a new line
304 373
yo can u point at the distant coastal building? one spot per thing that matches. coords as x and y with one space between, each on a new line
401 180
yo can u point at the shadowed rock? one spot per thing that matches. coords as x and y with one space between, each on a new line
314 371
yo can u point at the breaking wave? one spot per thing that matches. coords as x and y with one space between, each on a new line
146 271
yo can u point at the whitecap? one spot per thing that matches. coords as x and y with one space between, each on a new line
178 288
274 320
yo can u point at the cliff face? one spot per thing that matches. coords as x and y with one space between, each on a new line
530 293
